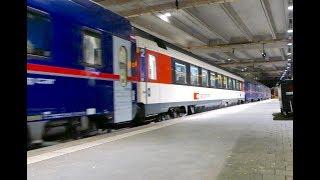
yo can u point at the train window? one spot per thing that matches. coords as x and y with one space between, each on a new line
234 84
38 34
229 83
225 82
180 73
91 48
152 67
220 81
213 79
205 80
238 85
194 75
123 65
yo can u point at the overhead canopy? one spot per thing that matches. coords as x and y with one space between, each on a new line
230 33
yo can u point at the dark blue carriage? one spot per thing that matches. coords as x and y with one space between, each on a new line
255 91
78 64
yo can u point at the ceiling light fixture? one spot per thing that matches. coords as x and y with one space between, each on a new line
290 8
263 52
165 16
177 4
290 31
289 44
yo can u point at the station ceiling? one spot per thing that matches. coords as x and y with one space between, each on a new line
230 33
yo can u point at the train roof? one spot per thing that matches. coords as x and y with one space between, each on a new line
145 35
85 13
148 36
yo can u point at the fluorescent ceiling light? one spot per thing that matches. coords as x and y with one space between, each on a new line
289 54
289 59
290 31
290 8
165 16
289 44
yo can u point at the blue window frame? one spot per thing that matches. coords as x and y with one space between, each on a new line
91 47
39 34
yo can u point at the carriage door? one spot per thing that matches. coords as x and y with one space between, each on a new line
152 89
122 89
148 91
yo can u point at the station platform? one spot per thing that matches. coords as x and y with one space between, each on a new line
238 142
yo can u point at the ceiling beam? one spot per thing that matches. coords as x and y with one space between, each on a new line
201 23
169 6
268 71
232 56
182 27
274 43
216 56
115 2
246 54
283 54
207 56
140 26
211 29
228 9
267 12
254 64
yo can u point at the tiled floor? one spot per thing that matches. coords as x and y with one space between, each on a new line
239 142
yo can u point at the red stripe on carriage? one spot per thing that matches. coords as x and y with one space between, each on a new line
74 72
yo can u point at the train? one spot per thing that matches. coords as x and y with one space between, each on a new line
88 69
255 91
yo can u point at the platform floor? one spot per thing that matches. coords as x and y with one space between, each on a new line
239 142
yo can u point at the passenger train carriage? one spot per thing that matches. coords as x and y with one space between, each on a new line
255 91
176 82
87 70
78 66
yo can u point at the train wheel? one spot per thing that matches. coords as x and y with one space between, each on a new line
74 129
159 117
173 113
191 110
167 116
181 114
163 116
93 129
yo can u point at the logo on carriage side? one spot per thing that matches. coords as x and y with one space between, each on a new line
32 81
198 96
195 96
